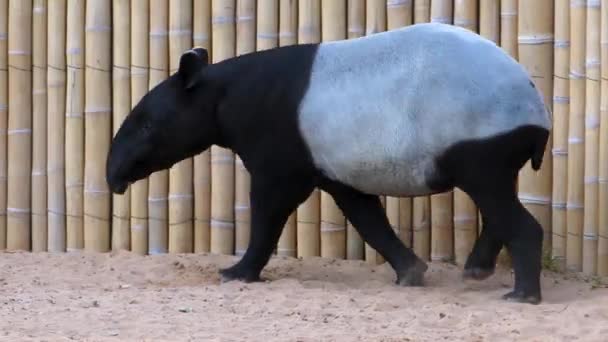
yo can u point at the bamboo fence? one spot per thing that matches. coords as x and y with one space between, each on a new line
246 42
19 140
98 123
158 191
333 222
576 134
181 187
355 23
71 70
74 125
201 37
223 46
121 104
56 96
140 59
399 210
3 117
561 105
603 158
308 213
288 35
375 21
39 126
464 218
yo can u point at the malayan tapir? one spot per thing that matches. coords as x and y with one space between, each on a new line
412 111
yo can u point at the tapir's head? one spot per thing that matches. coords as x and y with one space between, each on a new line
172 122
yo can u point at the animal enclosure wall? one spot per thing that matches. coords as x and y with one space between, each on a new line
70 70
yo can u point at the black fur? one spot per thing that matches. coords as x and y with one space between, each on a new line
249 104
487 170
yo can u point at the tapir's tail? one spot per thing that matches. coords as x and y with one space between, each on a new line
539 150
540 143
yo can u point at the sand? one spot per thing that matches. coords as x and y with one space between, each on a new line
125 297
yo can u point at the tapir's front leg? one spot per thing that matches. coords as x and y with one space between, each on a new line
272 201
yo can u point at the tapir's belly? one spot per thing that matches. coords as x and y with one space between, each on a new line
373 153
400 171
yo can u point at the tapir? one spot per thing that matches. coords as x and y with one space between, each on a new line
414 111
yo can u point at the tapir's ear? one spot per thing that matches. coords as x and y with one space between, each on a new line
190 65
203 54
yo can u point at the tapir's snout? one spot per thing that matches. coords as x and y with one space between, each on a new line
115 180
119 188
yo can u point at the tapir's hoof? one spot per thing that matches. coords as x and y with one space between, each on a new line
520 297
477 273
414 275
236 273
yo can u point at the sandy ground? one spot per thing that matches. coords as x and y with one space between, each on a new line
125 297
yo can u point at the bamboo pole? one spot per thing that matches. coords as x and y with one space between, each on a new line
442 11
3 116
592 124
98 124
140 81
158 206
308 213
181 209
39 122
288 35
399 13
375 22
267 37
202 166
465 14
406 215
421 226
489 20
602 262
561 103
222 160
508 42
246 41
464 230
355 248
508 26
422 11
441 205
535 38
421 205
333 222
56 86
576 135
121 104
267 25
19 124
355 18
74 125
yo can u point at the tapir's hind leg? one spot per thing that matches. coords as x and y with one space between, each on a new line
272 199
366 214
482 260
487 170
507 221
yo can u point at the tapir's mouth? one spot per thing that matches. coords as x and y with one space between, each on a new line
120 188
119 181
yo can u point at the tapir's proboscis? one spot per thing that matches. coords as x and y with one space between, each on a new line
414 111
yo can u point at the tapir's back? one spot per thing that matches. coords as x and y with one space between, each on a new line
379 109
